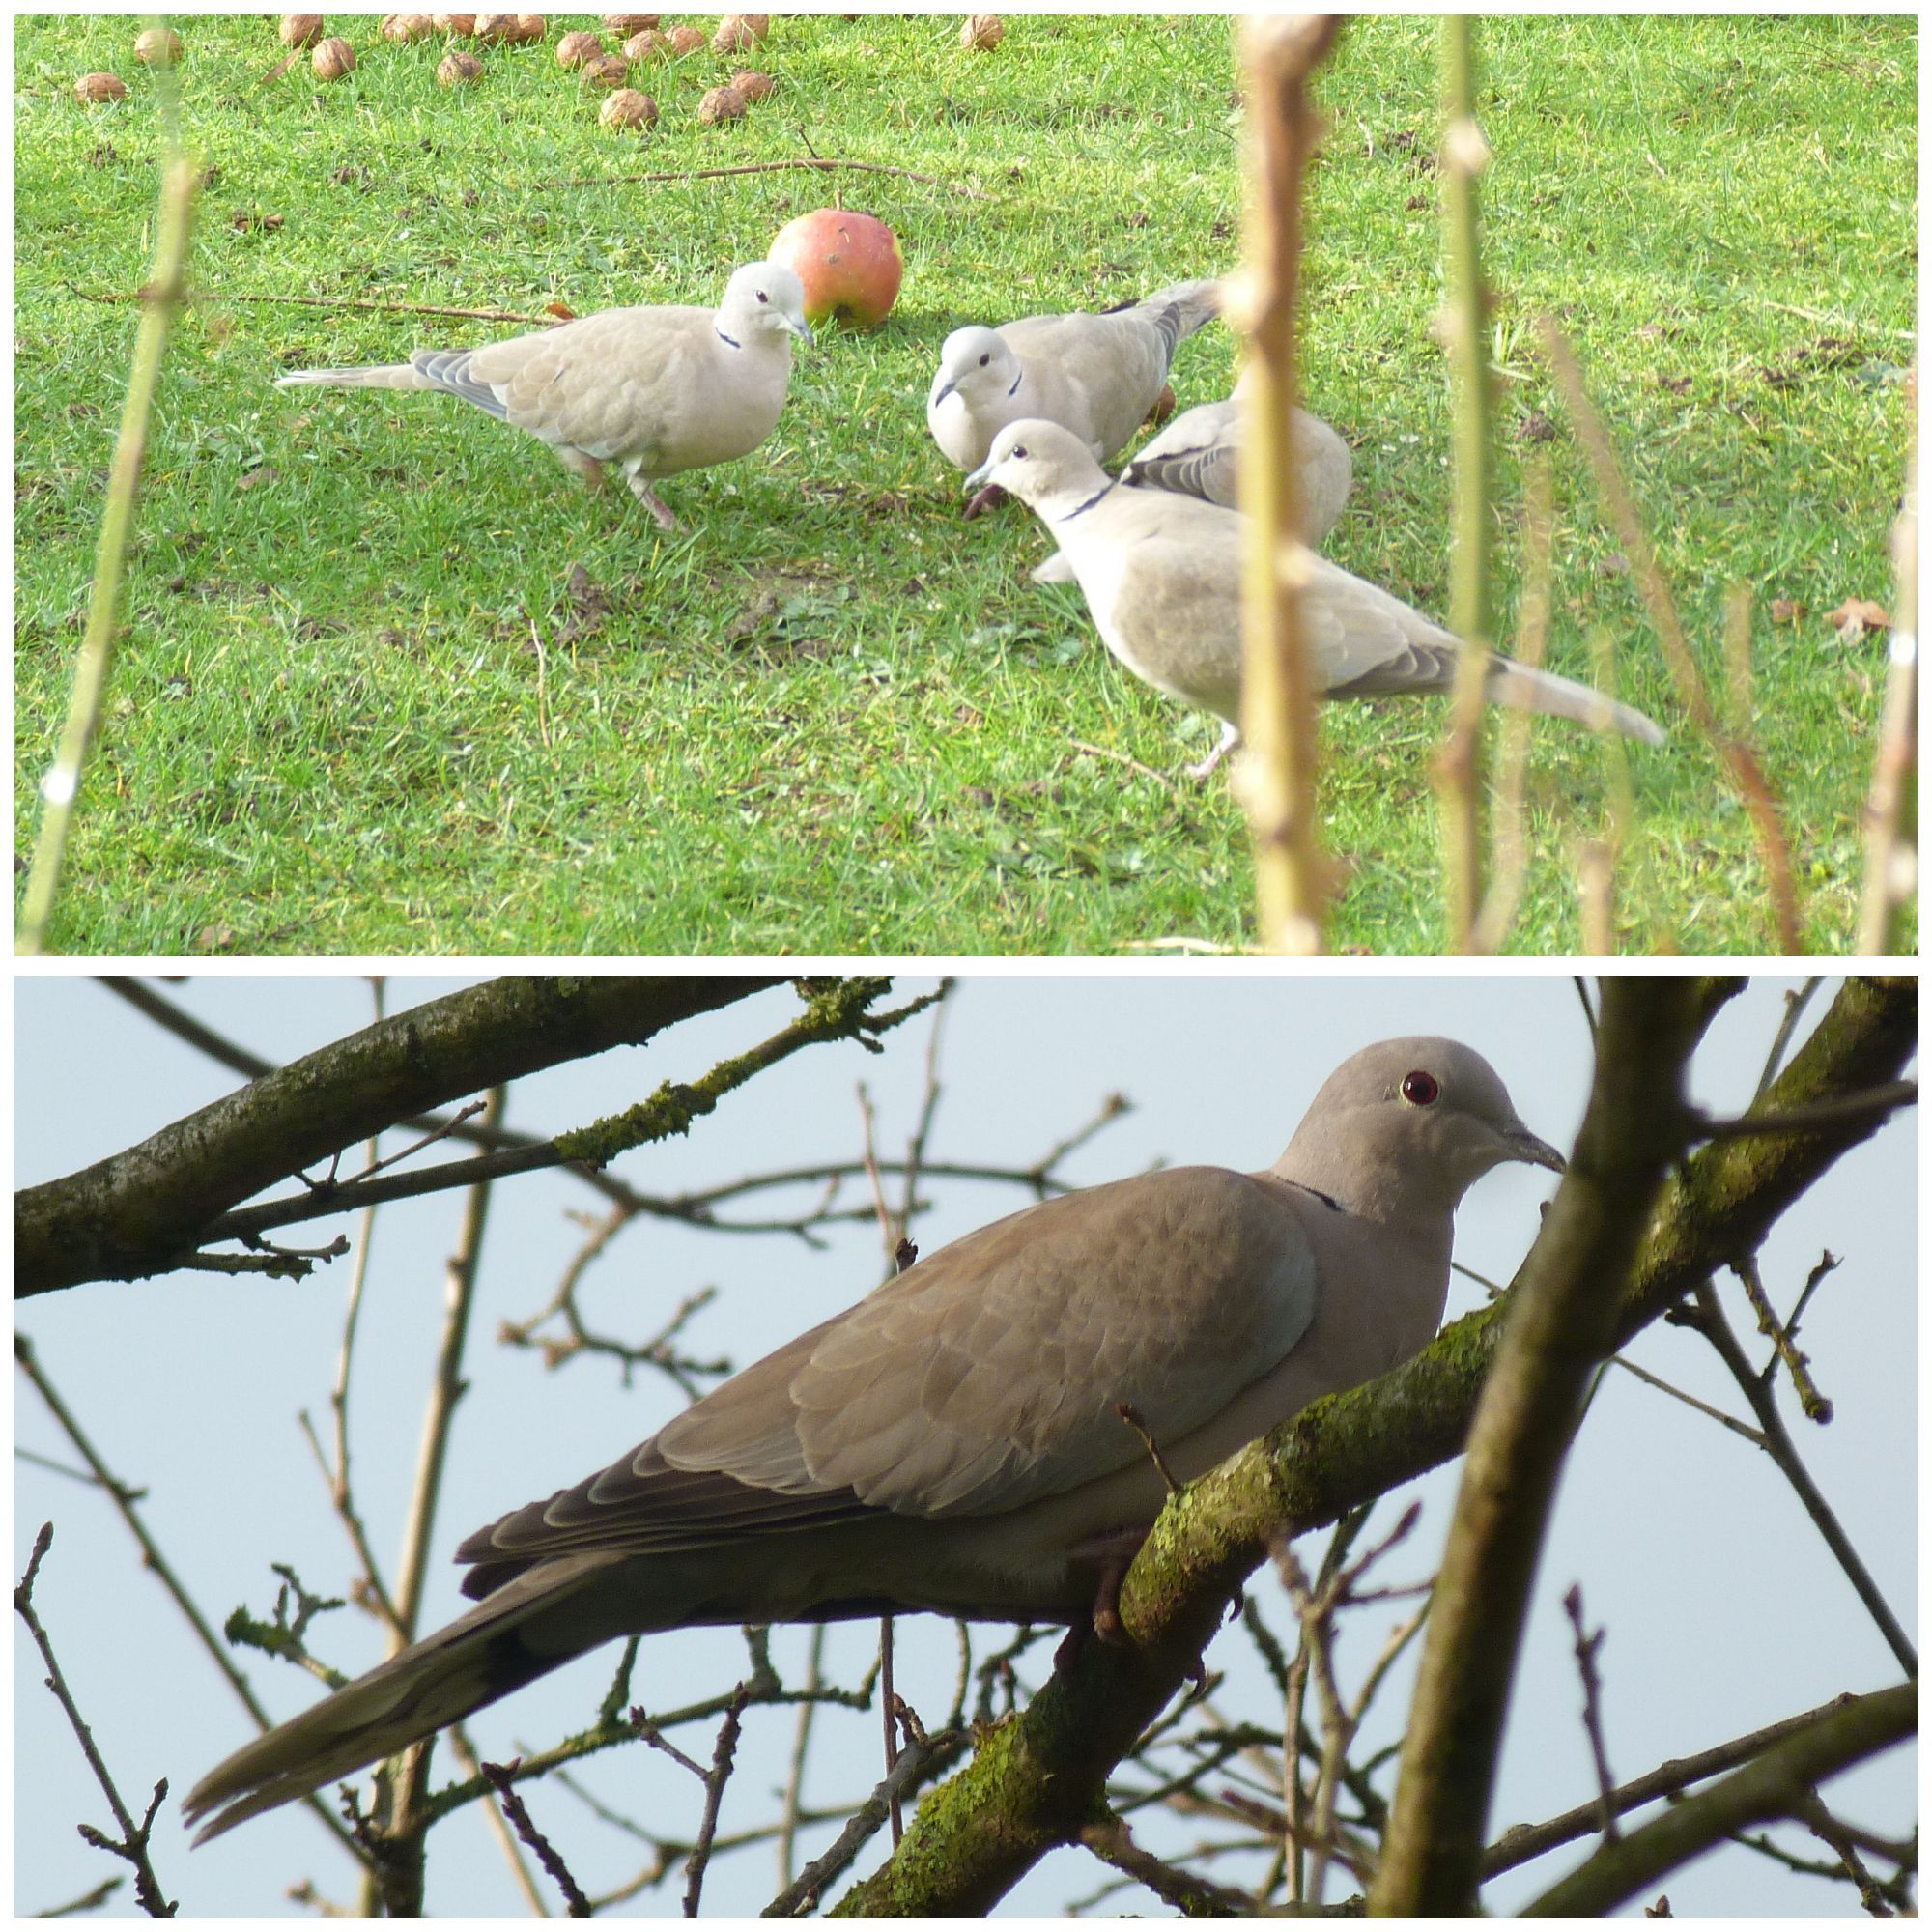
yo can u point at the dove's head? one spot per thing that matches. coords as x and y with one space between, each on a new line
1042 465
764 296
1407 1125
975 365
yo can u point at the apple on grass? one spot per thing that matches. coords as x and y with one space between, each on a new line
850 264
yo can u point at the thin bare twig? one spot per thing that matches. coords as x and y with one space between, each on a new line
1131 1416
1873 1103
1509 832
1122 759
341 1491
1828 1828
722 1756
547 1854
502 1827
1730 1422
918 1762
123 1496
1733 752
1588 1644
133 1844
225 1052
1794 1003
1708 1319
1520 1843
822 164
839 1011
1784 1335
88 1901
794 1791
1111 1841
447 1390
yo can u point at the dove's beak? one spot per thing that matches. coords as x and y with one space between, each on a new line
1524 1145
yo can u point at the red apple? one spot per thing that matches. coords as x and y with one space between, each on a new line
850 264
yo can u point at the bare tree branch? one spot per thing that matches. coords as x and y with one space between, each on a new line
1775 1785
1522 1842
133 1844
131 1214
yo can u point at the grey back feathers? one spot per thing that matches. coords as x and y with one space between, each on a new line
1197 454
1097 375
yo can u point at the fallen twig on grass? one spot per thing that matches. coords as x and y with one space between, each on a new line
821 163
326 302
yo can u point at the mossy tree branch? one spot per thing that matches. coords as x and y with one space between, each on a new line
136 1212
1040 1776
1562 1324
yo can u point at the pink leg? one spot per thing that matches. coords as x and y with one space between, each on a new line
642 489
579 465
1231 736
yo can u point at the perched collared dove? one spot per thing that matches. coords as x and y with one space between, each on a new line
1161 573
654 390
1197 454
955 1441
1098 375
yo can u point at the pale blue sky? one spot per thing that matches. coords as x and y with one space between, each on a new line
1724 1609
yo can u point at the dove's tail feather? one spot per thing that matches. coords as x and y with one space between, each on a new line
479 1657
377 375
1529 690
1178 311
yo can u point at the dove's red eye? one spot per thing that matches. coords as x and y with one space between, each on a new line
1420 1088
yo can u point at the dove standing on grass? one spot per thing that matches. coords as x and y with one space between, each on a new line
1095 375
954 1442
1197 454
654 390
1161 573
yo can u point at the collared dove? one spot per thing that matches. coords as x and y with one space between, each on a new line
1161 573
1197 454
654 390
1098 375
955 1442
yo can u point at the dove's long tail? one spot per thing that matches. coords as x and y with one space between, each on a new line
377 375
1178 311
481 1657
1527 690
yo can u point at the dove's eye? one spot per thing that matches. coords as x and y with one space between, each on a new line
1420 1089
764 296
985 359
1018 449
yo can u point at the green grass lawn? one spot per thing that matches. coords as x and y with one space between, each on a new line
392 682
